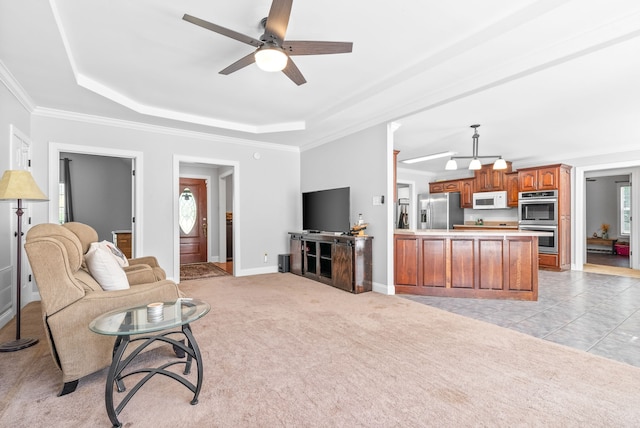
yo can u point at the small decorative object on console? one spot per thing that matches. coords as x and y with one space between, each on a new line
358 229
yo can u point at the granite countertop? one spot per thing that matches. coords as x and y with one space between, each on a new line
485 232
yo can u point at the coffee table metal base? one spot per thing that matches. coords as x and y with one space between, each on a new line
116 375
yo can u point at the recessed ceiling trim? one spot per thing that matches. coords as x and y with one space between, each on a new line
110 93
139 126
115 96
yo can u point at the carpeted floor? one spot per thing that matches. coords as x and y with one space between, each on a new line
200 271
283 351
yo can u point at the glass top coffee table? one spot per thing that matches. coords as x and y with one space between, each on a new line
160 321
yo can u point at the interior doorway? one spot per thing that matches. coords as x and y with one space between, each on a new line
193 220
607 219
134 162
584 232
406 215
220 202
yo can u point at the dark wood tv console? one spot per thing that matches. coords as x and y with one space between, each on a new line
340 261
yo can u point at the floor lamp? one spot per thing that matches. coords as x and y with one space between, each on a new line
20 185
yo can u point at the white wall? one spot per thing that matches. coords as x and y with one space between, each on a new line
12 112
267 201
358 161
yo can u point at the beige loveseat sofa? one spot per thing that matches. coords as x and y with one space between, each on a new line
71 298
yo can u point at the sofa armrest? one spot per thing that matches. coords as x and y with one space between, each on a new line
146 260
151 261
139 274
56 282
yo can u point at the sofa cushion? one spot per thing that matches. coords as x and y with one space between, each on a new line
105 269
116 252
85 233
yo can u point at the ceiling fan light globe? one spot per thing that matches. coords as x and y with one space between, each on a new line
500 164
475 164
451 165
271 59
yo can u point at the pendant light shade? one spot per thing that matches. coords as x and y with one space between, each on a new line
475 163
451 165
500 163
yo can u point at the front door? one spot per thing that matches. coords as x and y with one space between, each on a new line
193 220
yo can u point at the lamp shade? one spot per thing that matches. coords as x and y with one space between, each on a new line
271 58
451 165
19 184
500 164
475 164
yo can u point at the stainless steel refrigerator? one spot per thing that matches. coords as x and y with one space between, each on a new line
440 210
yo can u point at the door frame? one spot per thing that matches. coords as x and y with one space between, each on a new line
207 179
413 201
222 209
136 191
579 214
177 160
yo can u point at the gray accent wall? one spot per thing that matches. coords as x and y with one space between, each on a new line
101 192
358 161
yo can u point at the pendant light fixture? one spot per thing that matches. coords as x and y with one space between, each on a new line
475 159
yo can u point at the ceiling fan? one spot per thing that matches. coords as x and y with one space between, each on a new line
273 52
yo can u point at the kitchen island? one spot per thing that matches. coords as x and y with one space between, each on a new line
493 264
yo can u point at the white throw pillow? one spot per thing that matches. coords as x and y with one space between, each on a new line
117 253
105 269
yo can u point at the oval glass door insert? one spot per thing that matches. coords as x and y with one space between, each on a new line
188 210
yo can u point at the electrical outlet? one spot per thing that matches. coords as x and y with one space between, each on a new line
265 257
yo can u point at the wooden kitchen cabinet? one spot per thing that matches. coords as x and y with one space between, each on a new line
467 264
489 179
541 178
548 178
553 177
444 186
512 186
467 187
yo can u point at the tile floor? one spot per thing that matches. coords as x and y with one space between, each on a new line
593 312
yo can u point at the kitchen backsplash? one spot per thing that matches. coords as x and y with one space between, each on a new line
507 214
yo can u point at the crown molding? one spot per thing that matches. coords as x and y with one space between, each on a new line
138 126
15 88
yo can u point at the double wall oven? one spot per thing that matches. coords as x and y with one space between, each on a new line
538 211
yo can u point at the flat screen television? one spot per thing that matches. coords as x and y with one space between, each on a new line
326 210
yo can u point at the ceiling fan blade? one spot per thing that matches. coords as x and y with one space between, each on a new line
278 19
316 48
241 63
224 31
293 72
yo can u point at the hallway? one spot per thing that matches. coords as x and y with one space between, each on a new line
593 312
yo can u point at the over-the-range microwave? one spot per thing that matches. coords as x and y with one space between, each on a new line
490 200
